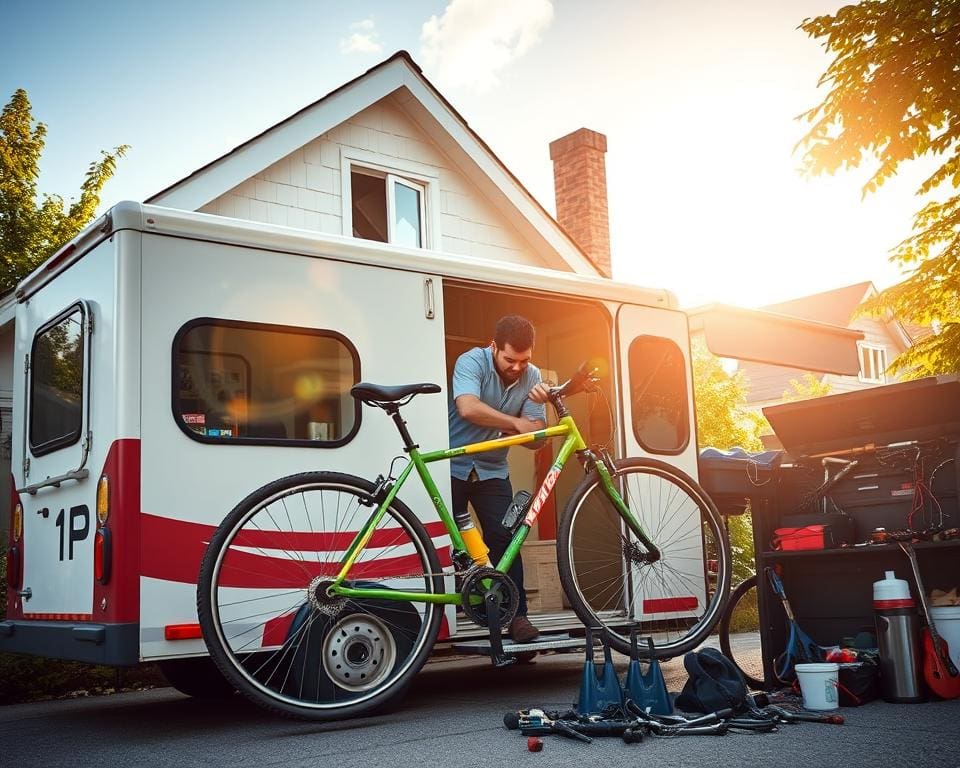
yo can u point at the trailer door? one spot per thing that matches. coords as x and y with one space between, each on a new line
657 422
656 386
55 488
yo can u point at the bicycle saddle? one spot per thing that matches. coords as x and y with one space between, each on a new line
376 393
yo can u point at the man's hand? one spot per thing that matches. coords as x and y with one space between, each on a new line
540 392
521 425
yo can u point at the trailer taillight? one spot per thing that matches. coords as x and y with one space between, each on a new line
102 542
13 567
16 523
102 555
103 499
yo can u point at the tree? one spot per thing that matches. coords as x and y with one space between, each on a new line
30 232
805 388
894 98
722 419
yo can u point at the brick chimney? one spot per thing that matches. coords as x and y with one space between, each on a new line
580 181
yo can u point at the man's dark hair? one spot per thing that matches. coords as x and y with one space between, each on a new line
516 331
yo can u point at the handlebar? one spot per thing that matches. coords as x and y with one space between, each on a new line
584 380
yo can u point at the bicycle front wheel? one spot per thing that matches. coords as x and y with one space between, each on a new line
677 599
272 628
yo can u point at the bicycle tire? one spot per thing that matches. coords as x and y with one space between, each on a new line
271 629
678 599
741 614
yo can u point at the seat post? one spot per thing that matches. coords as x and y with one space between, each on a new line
394 412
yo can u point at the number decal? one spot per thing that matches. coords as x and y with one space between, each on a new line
70 531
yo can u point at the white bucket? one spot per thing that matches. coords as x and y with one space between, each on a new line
946 618
818 684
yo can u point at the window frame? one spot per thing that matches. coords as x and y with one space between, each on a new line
424 178
880 362
685 405
72 438
269 327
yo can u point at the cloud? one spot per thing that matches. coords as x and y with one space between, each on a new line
364 39
475 39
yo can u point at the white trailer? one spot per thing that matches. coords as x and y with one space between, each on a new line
174 362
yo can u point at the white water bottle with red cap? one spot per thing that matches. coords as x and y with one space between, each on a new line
898 628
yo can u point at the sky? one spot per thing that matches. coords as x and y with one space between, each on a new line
698 100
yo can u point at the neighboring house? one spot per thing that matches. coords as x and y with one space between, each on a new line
883 340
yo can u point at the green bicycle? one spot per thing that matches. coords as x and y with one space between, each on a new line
321 594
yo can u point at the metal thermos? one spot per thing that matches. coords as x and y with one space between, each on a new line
898 630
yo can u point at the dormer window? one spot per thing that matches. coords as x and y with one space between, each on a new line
873 363
389 205
387 208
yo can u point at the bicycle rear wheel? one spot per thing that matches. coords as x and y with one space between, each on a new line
268 622
740 632
676 600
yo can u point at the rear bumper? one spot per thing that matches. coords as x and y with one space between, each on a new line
115 645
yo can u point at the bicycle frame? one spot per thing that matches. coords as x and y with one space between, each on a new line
573 442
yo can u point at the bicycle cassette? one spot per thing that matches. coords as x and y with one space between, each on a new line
477 582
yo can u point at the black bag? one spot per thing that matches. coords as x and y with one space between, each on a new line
714 683
858 683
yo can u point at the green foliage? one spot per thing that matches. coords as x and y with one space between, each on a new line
722 419
30 232
806 388
894 98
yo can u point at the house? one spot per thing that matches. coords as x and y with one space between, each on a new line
386 157
882 341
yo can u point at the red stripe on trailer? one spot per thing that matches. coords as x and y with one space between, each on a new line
172 549
59 616
119 599
276 631
670 604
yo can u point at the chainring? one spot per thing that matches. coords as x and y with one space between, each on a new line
476 583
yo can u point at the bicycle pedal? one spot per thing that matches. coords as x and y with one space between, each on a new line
516 510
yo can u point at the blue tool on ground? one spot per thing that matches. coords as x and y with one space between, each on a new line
801 648
647 691
597 694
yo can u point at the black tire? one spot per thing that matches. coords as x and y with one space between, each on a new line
742 619
268 624
692 577
198 677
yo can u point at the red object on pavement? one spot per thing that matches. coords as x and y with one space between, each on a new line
534 743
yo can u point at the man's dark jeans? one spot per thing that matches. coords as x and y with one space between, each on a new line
490 499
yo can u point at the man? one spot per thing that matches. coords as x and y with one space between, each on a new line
495 391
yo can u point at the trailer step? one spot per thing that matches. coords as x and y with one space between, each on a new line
560 642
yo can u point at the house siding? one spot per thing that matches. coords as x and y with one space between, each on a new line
303 190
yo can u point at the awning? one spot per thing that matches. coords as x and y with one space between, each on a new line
766 337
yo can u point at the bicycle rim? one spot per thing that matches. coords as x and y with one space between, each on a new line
676 600
740 632
269 623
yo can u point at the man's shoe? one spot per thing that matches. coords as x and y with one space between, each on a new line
522 631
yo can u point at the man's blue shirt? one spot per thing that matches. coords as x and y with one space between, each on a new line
476 374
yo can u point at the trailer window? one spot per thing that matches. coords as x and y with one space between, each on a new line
56 383
658 394
253 383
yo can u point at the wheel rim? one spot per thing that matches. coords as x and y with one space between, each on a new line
275 631
674 600
358 652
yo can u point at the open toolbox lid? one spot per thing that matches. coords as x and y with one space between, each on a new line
912 410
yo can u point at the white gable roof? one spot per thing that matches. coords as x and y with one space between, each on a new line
398 75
